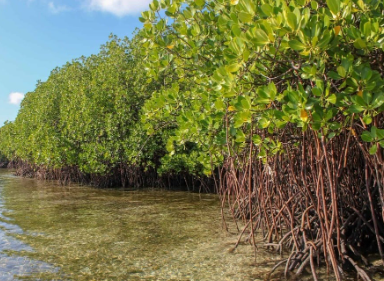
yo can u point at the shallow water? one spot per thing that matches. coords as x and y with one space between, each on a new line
53 232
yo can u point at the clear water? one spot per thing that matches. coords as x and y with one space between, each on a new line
53 232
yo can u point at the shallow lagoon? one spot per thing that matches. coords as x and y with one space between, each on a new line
54 232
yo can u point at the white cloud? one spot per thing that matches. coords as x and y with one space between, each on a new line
15 98
55 9
119 7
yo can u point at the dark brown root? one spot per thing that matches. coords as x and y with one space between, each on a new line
322 199
122 176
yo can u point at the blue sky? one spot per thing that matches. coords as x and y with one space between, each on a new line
38 35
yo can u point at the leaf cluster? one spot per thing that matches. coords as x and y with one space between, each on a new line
86 115
202 80
246 70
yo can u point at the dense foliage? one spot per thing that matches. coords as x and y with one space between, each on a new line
285 99
267 63
275 99
83 123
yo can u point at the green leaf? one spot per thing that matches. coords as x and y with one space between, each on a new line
245 103
272 90
293 97
238 121
261 38
380 134
314 5
262 153
187 14
267 9
237 45
219 104
281 124
317 92
233 67
366 136
366 73
367 29
292 21
245 17
331 135
296 45
171 10
169 145
236 30
221 139
341 71
325 39
246 116
356 108
246 54
360 44
357 100
334 6
232 131
367 119
195 30
374 132
264 123
301 2
332 99
262 97
353 32
200 2
154 5
329 114
378 100
257 139
334 75
240 137
145 15
373 149
310 103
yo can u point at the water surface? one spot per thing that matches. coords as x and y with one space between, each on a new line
53 232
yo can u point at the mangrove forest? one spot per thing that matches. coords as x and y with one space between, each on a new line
275 105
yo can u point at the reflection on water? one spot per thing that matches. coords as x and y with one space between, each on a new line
51 232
